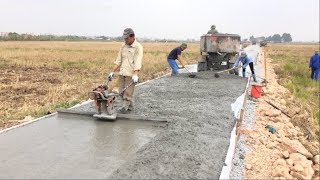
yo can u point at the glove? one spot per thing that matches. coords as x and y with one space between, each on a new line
271 129
135 79
110 76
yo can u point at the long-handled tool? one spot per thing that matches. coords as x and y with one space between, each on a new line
191 75
217 73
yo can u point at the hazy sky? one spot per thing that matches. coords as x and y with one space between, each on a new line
177 19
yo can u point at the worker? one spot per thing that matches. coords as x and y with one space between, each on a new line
129 62
315 66
245 60
174 55
213 30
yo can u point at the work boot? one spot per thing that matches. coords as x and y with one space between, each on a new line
254 78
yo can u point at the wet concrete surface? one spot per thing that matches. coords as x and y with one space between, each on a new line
193 144
69 146
200 120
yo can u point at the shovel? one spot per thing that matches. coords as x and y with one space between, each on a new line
217 73
191 75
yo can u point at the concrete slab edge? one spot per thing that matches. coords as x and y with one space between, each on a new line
77 105
226 169
28 122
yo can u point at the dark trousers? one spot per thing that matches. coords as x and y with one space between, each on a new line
251 68
313 70
315 73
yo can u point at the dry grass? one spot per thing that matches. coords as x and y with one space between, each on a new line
292 67
37 77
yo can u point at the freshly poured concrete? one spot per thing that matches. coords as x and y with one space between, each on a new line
68 146
200 120
193 144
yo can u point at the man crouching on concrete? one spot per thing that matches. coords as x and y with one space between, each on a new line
129 63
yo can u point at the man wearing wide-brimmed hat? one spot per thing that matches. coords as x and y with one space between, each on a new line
128 63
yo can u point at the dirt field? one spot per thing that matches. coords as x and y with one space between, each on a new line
37 77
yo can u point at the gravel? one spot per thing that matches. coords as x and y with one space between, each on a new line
238 161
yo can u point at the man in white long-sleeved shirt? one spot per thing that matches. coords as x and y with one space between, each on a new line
129 62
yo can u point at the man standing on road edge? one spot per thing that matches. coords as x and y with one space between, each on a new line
245 60
315 66
174 55
129 62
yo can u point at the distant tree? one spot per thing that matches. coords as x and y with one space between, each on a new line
13 36
252 38
276 38
286 37
269 38
212 30
262 38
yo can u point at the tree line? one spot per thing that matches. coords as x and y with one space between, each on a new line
13 36
277 38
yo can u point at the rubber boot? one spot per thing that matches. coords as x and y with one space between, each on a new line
243 74
254 78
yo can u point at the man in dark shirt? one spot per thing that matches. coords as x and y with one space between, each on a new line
174 55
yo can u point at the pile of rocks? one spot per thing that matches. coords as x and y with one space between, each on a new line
286 154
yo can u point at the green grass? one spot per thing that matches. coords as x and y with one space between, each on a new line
294 74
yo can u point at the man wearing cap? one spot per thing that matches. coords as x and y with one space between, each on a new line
128 63
174 55
245 60
315 66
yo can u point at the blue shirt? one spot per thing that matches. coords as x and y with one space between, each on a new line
174 53
245 61
315 61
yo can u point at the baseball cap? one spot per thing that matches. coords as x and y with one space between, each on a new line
127 32
184 45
